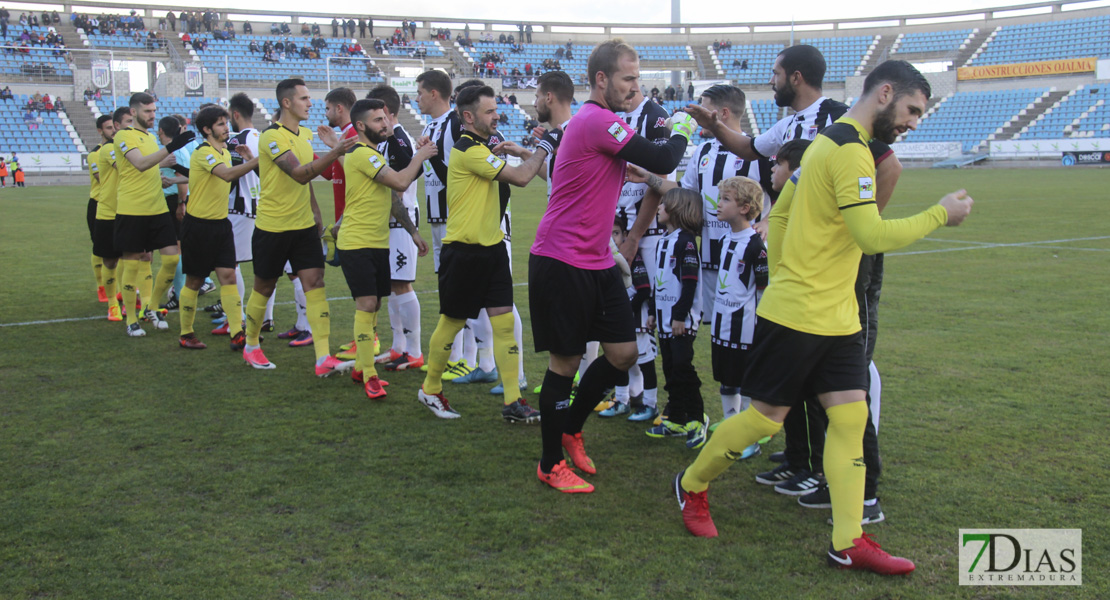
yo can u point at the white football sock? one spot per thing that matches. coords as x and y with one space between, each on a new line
408 305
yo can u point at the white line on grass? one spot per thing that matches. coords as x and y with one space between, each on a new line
101 317
980 246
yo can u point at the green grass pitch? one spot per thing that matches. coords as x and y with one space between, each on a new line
130 468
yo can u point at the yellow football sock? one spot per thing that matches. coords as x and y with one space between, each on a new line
233 308
256 313
98 266
439 350
130 276
365 324
144 282
188 307
110 286
166 273
319 319
845 470
506 354
724 447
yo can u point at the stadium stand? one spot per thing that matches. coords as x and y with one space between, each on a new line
50 131
972 117
843 55
931 42
765 113
32 62
760 57
166 106
243 65
1073 38
1082 113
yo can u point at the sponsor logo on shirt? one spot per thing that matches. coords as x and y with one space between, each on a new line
211 159
273 148
375 162
618 131
494 161
866 188
704 162
660 122
123 146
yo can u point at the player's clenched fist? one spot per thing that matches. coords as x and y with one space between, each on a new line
958 204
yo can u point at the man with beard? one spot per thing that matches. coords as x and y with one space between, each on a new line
363 243
143 221
575 289
474 268
808 340
796 79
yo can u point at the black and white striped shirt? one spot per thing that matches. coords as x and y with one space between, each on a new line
709 166
649 120
739 285
443 132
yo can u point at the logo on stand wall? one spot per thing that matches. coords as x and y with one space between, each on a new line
101 74
194 80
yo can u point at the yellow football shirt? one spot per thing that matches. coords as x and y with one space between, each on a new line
284 204
366 216
109 182
140 192
473 197
208 194
94 171
831 219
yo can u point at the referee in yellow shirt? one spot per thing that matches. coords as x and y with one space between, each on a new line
474 271
207 240
363 239
808 340
288 226
143 222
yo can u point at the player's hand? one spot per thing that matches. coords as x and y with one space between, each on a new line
634 174
507 147
537 132
629 248
168 162
550 141
244 151
707 119
678 328
166 182
327 135
761 228
180 211
178 142
422 141
345 145
683 124
421 245
958 205
425 152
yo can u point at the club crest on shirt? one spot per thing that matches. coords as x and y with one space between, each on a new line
273 148
494 161
866 188
618 131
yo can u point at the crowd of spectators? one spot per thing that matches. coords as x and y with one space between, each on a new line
36 105
719 45
108 24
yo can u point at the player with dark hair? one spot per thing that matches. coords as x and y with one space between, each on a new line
404 306
575 290
289 226
808 338
143 222
475 271
363 239
102 171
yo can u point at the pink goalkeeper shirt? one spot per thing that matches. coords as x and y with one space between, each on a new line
588 177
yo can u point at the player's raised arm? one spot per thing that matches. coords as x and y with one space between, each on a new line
399 181
533 163
303 174
661 158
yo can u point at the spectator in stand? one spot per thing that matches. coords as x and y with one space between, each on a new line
88 93
334 27
512 99
412 29
247 28
559 52
285 28
570 54
275 29
30 120
370 26
172 20
362 28
690 92
528 32
253 47
351 27
186 39
378 45
501 39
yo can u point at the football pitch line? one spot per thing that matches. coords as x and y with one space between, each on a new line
975 246
101 317
986 245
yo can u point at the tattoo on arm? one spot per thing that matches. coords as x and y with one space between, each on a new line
399 212
655 182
